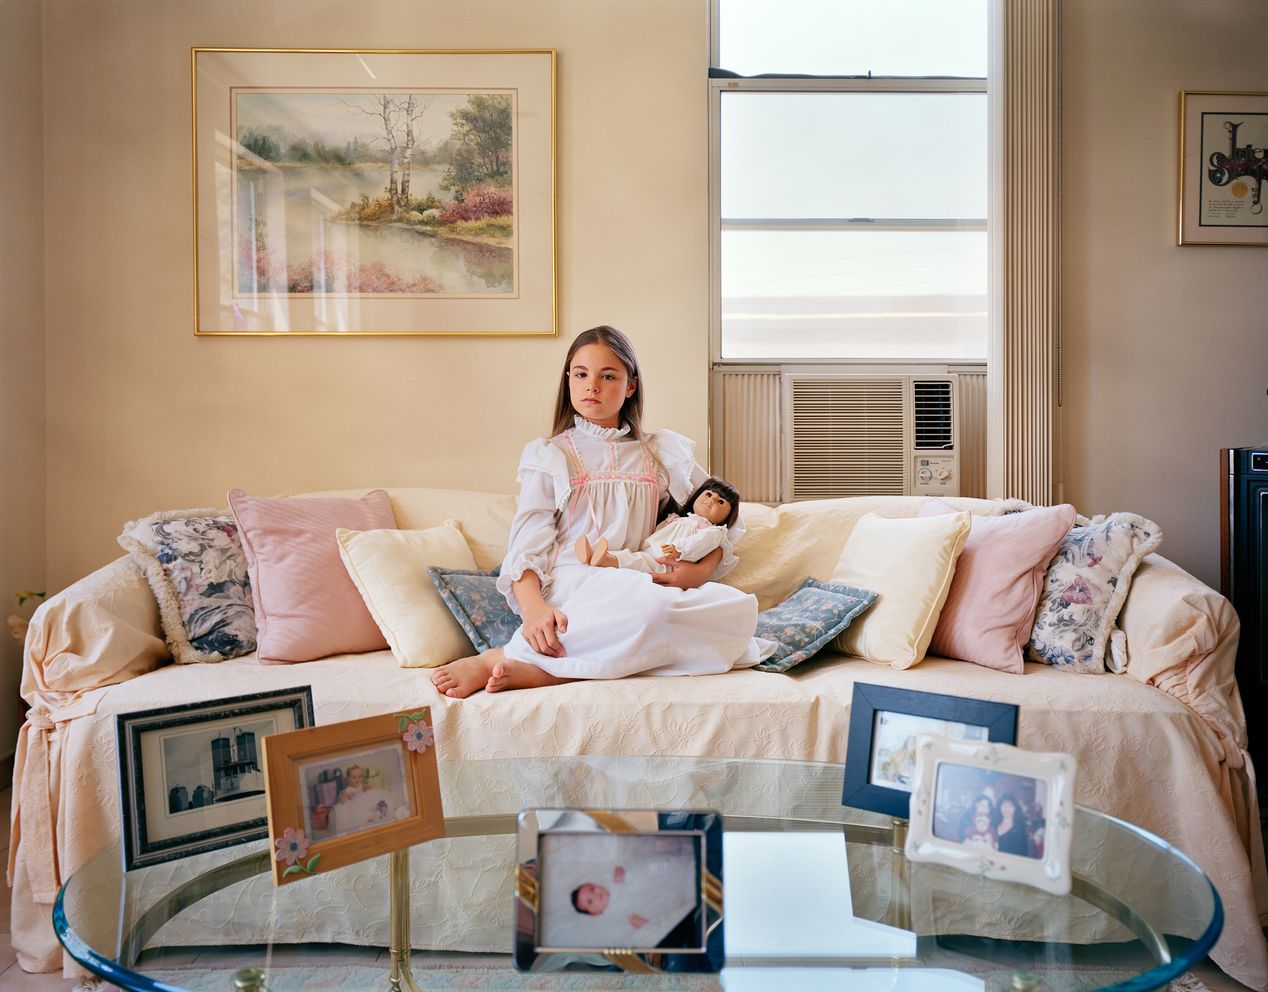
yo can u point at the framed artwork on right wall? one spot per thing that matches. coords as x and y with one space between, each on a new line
1223 168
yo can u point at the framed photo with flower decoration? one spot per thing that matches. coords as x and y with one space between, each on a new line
349 791
993 810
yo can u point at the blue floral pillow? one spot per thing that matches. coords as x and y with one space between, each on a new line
809 619
474 600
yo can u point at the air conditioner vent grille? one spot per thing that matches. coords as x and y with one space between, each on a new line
932 427
847 437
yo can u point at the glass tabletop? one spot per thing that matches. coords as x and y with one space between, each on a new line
815 894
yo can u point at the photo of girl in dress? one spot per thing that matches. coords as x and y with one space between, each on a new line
354 792
992 810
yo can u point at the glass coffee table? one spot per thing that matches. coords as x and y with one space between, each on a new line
816 895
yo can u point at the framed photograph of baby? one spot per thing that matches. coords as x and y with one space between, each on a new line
994 810
191 778
638 889
880 761
349 791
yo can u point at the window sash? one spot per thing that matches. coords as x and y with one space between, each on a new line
720 224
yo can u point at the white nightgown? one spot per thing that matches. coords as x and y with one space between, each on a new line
597 482
692 535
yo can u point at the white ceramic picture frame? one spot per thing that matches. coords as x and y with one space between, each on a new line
993 810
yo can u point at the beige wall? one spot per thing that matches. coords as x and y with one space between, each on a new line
1167 347
21 334
144 416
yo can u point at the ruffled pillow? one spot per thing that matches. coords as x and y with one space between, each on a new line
195 566
807 620
1085 588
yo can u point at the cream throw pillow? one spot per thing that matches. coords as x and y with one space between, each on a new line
389 569
909 563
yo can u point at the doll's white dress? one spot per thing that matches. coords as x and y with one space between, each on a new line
692 535
598 482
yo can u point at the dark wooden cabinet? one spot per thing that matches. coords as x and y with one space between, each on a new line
1244 580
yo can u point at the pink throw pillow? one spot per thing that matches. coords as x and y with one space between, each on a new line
306 606
991 606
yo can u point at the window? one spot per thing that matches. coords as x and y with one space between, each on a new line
850 203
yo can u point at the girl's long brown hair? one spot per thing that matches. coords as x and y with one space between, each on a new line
631 409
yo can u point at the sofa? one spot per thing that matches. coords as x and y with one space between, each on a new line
1162 744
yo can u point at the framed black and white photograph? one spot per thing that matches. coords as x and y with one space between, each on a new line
634 888
191 777
880 759
994 810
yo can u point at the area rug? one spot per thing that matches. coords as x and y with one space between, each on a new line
372 978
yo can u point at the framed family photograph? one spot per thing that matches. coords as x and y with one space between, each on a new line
880 757
191 777
1223 168
374 191
349 791
993 810
639 889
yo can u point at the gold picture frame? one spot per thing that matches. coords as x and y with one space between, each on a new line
374 192
323 815
1223 168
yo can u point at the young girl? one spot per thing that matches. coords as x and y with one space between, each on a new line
713 522
601 474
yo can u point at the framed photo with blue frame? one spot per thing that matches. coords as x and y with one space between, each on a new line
880 759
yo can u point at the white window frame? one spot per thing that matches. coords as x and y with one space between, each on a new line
830 84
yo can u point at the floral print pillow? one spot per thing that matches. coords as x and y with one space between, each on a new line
807 620
1085 589
194 563
474 601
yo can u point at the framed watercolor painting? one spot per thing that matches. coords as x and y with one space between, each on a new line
374 192
191 778
994 810
880 756
348 791
639 889
1223 168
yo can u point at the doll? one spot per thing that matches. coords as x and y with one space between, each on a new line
715 506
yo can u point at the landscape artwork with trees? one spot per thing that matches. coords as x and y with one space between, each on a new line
350 192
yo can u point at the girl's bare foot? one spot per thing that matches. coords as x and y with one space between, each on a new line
582 548
466 675
507 674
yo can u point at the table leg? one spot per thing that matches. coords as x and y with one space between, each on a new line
400 978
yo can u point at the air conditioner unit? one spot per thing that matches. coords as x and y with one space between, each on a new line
869 435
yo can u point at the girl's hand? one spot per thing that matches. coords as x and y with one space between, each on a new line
687 574
669 551
542 627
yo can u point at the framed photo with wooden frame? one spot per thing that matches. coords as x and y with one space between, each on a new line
374 191
639 889
348 791
1223 168
190 776
993 810
880 757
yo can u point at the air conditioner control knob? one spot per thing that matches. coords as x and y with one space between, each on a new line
924 475
943 474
